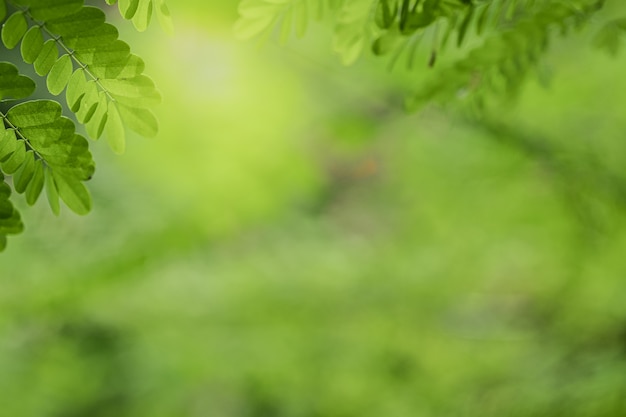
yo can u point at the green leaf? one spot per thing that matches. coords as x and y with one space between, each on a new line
47 57
84 20
6 208
96 36
33 190
34 113
165 18
48 134
130 67
46 10
32 44
137 91
16 159
95 126
111 52
12 225
52 138
115 130
142 16
75 89
139 120
73 193
10 222
8 143
128 8
88 103
386 43
465 25
247 28
3 10
12 84
14 29
25 173
59 75
51 192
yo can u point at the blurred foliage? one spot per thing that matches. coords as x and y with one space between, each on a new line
294 245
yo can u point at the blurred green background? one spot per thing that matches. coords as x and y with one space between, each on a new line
294 245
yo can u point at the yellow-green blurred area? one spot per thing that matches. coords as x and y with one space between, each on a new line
294 245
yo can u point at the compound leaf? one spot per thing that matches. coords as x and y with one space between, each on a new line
45 137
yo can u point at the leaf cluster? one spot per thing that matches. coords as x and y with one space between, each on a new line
80 54
509 37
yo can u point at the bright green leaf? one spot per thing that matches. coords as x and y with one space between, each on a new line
88 103
128 8
8 143
75 89
165 18
129 67
33 190
73 192
95 126
32 44
51 192
115 130
142 16
59 75
25 173
16 159
137 91
47 57
139 120
14 29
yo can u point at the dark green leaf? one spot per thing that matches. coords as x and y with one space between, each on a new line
85 20
34 113
92 38
12 84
